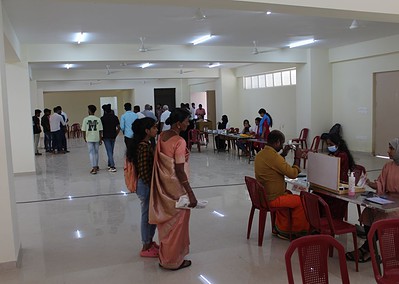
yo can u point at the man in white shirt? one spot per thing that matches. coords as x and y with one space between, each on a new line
63 130
56 121
164 116
136 110
193 111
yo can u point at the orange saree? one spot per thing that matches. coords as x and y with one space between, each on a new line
172 223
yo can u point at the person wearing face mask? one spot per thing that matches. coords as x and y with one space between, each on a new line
386 183
270 170
337 147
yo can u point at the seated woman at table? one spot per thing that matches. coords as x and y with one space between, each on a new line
387 182
240 143
337 147
224 124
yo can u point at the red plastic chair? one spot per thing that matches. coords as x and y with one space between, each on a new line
257 194
303 136
324 223
194 137
387 232
75 130
313 260
313 148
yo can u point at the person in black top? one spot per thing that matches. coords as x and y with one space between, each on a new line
45 122
36 130
111 128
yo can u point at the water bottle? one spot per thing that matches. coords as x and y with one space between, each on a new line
351 184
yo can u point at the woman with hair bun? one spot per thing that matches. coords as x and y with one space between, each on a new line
169 182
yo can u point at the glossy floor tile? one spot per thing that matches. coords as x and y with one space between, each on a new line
81 228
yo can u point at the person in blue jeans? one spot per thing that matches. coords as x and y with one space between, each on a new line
111 130
140 152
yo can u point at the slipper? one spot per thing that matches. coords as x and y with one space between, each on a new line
152 252
364 255
184 264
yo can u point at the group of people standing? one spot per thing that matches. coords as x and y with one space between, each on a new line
54 128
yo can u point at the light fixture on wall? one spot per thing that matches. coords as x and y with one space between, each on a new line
301 43
68 66
202 39
354 25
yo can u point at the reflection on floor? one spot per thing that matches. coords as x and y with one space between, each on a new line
80 228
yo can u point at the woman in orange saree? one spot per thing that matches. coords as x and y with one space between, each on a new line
169 182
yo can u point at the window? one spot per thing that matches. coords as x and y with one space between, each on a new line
273 79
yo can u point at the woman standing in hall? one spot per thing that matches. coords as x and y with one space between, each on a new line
265 123
169 182
140 153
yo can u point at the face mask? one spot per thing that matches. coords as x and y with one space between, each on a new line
332 149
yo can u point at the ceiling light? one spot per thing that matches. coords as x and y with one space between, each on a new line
80 37
301 43
268 12
202 39
354 25
145 65
213 65
68 66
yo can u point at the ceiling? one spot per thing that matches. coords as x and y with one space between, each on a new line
124 22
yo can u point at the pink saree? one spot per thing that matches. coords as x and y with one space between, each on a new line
172 223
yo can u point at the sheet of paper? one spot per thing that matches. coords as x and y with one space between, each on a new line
379 200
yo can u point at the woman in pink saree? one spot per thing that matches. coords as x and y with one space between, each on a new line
387 183
169 182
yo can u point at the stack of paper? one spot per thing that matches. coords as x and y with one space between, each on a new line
184 201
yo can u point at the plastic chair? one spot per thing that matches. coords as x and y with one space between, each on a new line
313 260
75 130
303 136
324 223
194 138
313 148
259 201
387 233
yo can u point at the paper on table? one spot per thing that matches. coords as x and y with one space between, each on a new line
184 201
379 200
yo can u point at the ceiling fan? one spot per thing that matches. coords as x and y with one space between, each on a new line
255 50
199 15
144 48
108 70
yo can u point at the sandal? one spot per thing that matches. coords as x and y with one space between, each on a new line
364 255
184 264
155 245
152 252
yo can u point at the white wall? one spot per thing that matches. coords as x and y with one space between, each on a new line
19 101
353 96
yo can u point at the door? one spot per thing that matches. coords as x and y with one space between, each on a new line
166 96
386 115
211 107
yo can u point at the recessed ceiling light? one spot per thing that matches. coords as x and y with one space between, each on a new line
202 39
268 12
145 65
302 42
80 37
213 65
354 25
68 66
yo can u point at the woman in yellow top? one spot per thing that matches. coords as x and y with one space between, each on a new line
270 170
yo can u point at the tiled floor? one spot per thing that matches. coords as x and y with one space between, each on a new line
95 237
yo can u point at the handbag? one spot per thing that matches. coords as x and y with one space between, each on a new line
130 176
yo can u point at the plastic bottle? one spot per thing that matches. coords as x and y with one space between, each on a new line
351 185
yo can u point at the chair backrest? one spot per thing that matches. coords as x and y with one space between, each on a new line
194 135
358 171
388 243
315 144
256 193
304 133
313 258
314 206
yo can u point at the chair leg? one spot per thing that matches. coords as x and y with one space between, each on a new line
331 249
251 217
262 224
199 146
356 250
359 212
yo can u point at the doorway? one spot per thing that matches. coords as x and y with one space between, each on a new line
386 115
166 96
